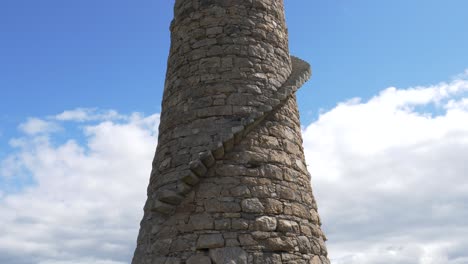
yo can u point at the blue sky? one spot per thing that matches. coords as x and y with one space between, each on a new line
98 56
64 54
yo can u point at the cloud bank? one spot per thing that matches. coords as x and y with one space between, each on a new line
85 201
389 175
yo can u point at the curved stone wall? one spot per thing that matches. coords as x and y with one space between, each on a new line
229 182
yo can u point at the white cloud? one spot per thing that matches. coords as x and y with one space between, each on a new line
88 114
390 176
35 126
86 201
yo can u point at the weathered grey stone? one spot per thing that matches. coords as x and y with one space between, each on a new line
265 223
218 151
183 188
240 224
252 205
261 235
304 245
162 207
240 191
267 258
198 259
189 178
198 168
169 197
273 206
201 222
207 158
210 241
247 240
222 224
214 206
288 226
161 247
280 244
228 255
181 244
159 260
172 261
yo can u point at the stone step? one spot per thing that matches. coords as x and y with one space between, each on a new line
168 199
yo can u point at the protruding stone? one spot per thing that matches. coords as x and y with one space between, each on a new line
228 142
169 197
198 168
238 132
182 188
190 178
163 207
207 159
218 151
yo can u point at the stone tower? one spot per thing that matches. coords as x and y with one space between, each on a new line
229 182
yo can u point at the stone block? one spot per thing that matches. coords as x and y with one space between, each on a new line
169 197
228 255
240 191
216 206
288 226
210 241
222 224
207 158
163 207
304 245
198 259
273 206
247 240
280 244
197 167
201 222
240 224
267 258
265 223
189 177
252 205
218 151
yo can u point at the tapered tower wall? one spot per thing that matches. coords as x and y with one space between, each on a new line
229 182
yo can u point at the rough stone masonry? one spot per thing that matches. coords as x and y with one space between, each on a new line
229 182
